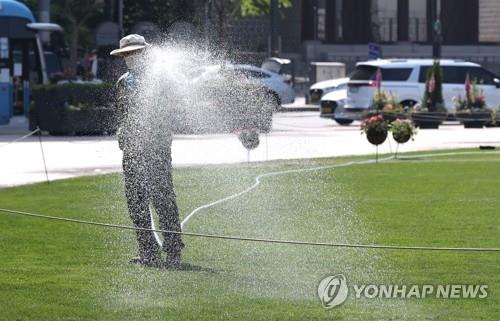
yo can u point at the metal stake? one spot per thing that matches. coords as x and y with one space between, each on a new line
43 155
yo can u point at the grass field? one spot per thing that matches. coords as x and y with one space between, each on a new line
62 271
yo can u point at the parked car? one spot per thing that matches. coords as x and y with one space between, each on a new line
332 106
280 86
281 66
226 102
319 89
406 79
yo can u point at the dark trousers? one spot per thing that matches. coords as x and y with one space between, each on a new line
148 181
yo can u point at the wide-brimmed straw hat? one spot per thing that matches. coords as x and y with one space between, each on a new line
129 44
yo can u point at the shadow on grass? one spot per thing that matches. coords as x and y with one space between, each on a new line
185 267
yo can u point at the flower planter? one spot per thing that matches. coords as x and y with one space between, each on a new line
369 114
474 119
376 137
495 122
428 120
390 117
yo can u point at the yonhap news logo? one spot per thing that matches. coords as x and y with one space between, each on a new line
333 290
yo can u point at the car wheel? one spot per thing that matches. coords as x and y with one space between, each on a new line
343 122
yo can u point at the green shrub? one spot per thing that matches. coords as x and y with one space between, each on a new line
74 96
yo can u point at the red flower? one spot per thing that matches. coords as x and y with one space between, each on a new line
378 79
467 86
432 85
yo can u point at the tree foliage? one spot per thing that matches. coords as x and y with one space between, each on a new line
221 12
78 19
162 12
260 7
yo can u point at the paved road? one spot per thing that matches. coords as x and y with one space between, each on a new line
295 135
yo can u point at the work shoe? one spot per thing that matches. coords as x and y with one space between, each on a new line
173 261
150 262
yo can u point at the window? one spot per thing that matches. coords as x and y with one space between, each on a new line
454 75
482 76
363 72
460 21
255 74
252 73
457 75
423 74
395 74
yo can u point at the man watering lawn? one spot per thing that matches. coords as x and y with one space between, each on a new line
147 162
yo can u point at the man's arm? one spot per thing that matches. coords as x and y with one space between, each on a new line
121 106
121 99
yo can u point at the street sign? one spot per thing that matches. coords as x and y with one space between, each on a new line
374 51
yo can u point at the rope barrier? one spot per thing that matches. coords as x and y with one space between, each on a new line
259 240
20 138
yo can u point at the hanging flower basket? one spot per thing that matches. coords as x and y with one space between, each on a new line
376 129
401 138
249 139
376 137
402 131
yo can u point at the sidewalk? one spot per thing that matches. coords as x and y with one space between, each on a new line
294 136
18 126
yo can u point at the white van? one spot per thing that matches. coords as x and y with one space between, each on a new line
406 79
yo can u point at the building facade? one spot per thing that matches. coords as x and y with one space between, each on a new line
340 30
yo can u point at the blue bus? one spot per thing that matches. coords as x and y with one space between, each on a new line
22 58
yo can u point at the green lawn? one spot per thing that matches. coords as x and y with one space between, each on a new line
61 271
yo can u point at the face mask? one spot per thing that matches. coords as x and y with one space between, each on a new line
132 62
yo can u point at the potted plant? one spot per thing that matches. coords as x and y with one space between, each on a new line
393 109
431 112
495 118
384 103
375 128
471 110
